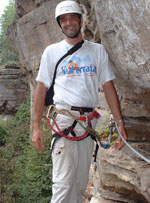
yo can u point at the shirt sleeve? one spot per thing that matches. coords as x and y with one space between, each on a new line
45 70
106 71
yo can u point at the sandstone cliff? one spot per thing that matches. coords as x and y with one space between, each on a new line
13 88
123 28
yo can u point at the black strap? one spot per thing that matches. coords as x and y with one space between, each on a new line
71 130
70 52
96 147
66 132
57 137
50 92
82 110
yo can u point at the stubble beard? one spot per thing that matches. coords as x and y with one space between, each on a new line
72 34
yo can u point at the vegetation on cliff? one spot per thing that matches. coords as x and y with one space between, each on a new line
7 54
25 174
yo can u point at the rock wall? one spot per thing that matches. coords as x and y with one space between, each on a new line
123 28
120 176
13 88
125 32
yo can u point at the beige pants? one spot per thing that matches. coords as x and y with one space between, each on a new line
71 164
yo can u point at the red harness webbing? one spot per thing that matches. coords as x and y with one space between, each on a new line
90 117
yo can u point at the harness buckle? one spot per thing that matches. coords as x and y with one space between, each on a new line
83 118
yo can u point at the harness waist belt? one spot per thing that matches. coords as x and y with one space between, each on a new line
82 110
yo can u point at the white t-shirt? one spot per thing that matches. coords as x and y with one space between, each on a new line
78 76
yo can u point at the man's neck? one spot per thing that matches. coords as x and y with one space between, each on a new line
74 41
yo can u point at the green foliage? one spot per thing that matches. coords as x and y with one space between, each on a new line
104 134
25 174
3 135
7 54
34 176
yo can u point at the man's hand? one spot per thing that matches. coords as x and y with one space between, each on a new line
120 144
38 140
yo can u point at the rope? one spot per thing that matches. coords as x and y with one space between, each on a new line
130 147
62 134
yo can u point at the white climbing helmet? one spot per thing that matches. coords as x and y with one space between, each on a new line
67 7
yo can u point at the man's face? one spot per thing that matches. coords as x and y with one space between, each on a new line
70 24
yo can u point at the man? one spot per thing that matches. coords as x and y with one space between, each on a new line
76 85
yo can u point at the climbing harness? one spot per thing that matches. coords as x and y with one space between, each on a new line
87 119
65 133
52 112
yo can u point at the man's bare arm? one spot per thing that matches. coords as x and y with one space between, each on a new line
114 105
38 108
